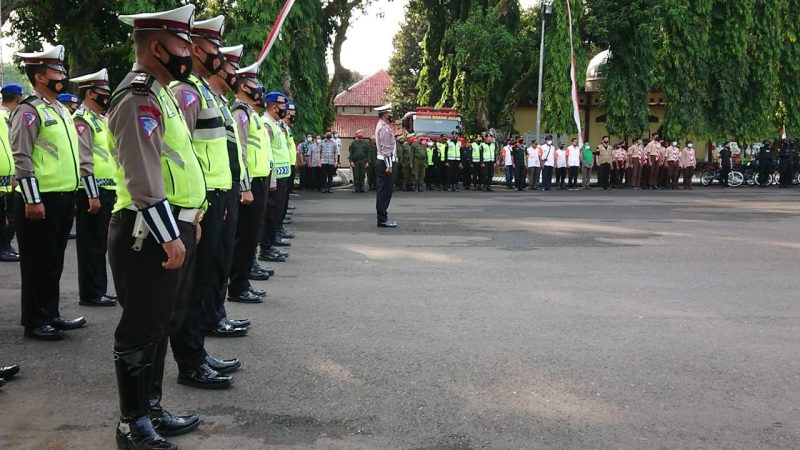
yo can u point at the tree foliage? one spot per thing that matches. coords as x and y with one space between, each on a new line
406 63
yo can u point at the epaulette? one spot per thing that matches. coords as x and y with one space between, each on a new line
79 113
137 83
33 100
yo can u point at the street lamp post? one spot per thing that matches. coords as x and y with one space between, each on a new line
547 10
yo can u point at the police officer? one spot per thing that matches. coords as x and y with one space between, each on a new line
247 115
386 152
766 164
487 168
155 224
476 148
240 194
785 162
276 107
11 97
466 162
45 149
406 161
359 151
452 163
440 169
94 203
418 164
206 123
69 100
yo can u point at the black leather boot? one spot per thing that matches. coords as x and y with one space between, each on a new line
163 422
134 431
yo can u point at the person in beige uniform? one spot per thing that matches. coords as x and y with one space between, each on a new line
605 158
155 227
688 162
45 149
653 148
634 155
673 164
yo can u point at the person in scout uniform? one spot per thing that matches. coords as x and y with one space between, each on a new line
251 131
94 203
206 123
418 164
154 229
359 151
45 150
240 194
11 96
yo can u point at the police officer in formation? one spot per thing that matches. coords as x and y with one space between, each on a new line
766 163
359 152
11 98
45 148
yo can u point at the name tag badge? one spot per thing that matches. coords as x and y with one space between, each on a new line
96 125
226 115
206 94
167 102
48 119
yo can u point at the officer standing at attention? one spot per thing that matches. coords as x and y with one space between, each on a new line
206 124
406 159
45 149
11 95
418 164
452 163
250 127
766 164
372 158
386 145
477 161
277 105
94 203
155 224
68 100
359 151
487 169
785 160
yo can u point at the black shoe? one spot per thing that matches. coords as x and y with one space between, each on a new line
224 329
111 296
288 220
204 377
72 235
259 292
269 270
291 207
9 256
102 301
166 424
271 257
223 366
44 333
282 243
286 234
62 324
140 434
278 252
238 323
8 371
2 382
245 297
387 224
257 275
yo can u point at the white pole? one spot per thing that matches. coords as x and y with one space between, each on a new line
541 68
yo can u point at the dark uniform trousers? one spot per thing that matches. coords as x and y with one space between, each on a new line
91 243
477 176
358 174
248 229
214 304
385 188
188 342
6 220
487 174
154 300
452 172
273 217
41 245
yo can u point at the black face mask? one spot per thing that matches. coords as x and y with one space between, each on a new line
57 86
213 62
253 94
233 82
281 113
103 100
180 67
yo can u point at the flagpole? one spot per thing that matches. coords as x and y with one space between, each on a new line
547 9
274 31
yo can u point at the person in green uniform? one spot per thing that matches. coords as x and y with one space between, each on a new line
406 159
399 170
419 164
359 152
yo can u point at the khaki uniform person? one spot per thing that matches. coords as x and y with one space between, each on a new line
161 193
45 149
359 151
94 203
653 149
419 164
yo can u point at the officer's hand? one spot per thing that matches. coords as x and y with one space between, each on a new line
175 253
34 212
389 170
198 232
94 206
246 198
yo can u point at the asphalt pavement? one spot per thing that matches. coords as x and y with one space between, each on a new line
508 320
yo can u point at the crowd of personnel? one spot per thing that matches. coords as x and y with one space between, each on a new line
179 178
455 162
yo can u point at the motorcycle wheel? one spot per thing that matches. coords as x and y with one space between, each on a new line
707 178
735 179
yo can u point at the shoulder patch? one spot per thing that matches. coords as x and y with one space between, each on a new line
28 118
188 98
81 128
148 125
241 116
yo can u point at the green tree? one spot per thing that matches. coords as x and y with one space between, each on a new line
405 64
789 73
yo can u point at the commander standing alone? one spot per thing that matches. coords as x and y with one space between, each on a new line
386 144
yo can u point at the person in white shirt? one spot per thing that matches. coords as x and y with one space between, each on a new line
561 167
547 155
508 164
534 165
574 164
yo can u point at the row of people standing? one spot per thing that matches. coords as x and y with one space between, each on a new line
184 183
318 158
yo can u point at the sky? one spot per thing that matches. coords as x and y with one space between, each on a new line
369 41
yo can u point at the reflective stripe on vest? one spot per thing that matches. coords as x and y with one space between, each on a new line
476 152
104 165
488 152
184 183
280 149
6 158
55 150
452 151
210 139
429 151
259 152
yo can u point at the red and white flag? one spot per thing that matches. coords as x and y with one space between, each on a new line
276 29
783 132
573 77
